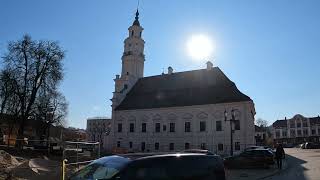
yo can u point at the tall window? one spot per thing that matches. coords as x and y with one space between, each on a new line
203 146
130 145
164 128
292 124
132 33
305 123
171 146
237 146
118 144
220 147
156 146
157 127
298 124
186 146
236 125
144 127
131 128
202 126
313 131
292 133
172 127
218 126
305 132
299 132
277 134
187 127
143 146
119 127
284 133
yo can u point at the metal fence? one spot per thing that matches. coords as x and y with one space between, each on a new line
70 155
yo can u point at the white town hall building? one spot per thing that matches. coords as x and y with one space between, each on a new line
177 110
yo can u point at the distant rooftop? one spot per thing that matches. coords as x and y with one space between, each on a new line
283 122
99 118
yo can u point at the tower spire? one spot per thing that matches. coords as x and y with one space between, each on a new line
136 21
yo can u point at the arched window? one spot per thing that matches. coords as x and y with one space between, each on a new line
132 33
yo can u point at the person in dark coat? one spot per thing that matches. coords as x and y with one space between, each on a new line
279 155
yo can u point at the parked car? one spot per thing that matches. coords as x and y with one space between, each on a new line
302 146
159 167
310 145
200 151
252 147
255 158
288 145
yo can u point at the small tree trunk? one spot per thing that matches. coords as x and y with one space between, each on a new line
20 133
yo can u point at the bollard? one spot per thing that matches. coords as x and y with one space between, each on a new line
63 169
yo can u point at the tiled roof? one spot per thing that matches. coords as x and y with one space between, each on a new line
315 120
280 123
188 88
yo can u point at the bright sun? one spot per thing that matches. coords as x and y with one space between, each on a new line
199 47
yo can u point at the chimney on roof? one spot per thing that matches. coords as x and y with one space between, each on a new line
209 65
285 118
170 70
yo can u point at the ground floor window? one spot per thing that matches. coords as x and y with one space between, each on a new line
143 146
299 132
118 144
220 147
237 146
171 146
187 146
156 146
203 146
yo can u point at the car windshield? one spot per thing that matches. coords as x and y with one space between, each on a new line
103 168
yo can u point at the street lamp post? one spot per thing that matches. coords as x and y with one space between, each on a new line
232 120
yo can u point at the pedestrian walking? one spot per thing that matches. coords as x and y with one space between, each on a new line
279 155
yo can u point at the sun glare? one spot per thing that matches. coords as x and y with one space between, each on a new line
199 47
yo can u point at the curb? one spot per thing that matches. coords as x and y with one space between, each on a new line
275 173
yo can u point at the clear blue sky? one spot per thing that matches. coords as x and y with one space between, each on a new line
270 49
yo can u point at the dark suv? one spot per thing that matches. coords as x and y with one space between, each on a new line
159 167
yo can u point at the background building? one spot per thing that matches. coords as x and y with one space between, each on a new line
97 128
177 110
297 130
263 136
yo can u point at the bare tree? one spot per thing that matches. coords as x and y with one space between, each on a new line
51 109
33 66
261 122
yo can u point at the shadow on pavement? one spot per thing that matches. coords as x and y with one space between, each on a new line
294 170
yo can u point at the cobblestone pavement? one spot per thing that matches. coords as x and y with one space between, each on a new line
303 164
